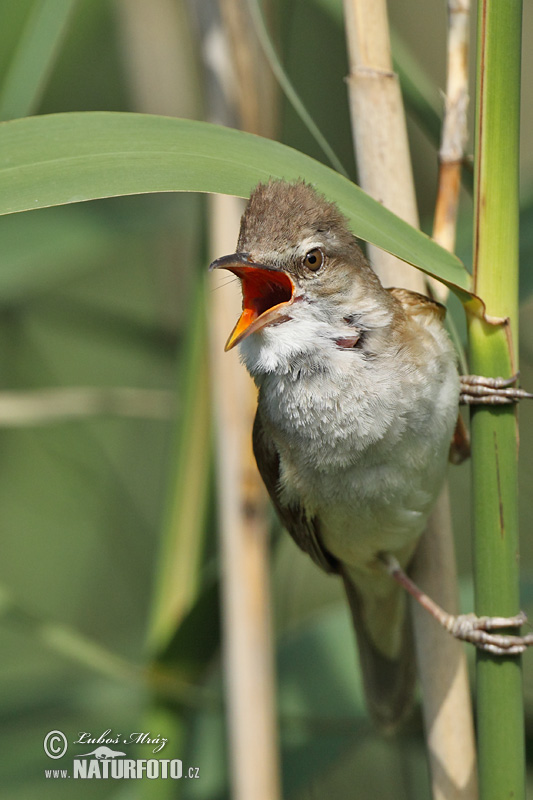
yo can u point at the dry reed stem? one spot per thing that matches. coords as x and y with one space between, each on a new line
379 129
454 130
158 53
248 659
43 406
244 540
448 716
442 666
256 90
384 166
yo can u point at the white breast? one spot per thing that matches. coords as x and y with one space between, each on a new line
363 443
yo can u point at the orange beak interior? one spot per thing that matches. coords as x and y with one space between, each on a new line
263 291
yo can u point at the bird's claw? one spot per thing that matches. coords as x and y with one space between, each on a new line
476 630
466 627
479 390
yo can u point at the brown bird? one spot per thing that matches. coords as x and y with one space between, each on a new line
358 402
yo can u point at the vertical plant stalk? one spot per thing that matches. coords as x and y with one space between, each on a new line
33 60
247 637
243 520
255 89
178 575
493 351
445 685
384 166
158 53
454 130
379 129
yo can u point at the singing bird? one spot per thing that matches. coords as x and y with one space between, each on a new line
357 405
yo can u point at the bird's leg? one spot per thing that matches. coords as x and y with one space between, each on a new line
478 390
467 627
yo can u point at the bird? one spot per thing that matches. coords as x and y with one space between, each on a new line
358 397
103 753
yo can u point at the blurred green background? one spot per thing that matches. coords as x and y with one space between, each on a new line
104 294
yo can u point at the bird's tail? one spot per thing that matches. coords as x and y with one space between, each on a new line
386 651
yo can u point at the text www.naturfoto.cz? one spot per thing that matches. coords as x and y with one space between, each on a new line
125 768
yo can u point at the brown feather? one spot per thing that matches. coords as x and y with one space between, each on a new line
304 530
389 683
460 445
414 303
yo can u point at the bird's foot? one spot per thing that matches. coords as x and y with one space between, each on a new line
466 627
478 390
470 628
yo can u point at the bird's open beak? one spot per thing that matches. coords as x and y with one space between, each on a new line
266 292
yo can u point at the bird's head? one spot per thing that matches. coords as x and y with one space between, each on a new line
297 261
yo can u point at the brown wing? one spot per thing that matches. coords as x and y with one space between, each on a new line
304 530
414 303
460 446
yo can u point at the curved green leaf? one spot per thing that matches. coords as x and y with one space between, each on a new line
69 158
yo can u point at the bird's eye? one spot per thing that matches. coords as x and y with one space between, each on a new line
314 259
